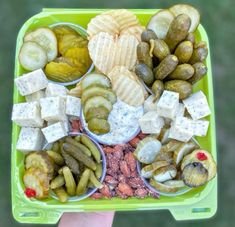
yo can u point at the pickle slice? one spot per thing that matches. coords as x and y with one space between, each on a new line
98 91
97 112
98 126
61 30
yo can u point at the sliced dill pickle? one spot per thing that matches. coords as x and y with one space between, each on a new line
97 112
98 126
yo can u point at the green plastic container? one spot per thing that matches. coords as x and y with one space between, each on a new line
199 203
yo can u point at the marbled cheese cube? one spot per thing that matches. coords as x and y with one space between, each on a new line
197 105
200 127
31 82
168 104
27 114
54 132
181 129
30 139
56 90
36 96
149 104
53 108
73 106
151 123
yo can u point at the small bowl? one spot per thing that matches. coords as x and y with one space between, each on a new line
148 185
90 191
83 33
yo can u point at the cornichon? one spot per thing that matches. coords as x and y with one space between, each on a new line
56 147
184 51
61 194
182 72
83 148
200 71
57 182
69 181
143 54
147 35
82 184
94 180
200 53
159 48
71 162
157 88
79 155
94 150
56 157
98 171
145 73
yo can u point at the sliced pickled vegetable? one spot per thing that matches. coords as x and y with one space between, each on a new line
148 170
97 112
82 184
97 101
98 91
95 79
165 173
164 156
194 174
175 183
46 38
147 150
98 126
162 187
171 146
160 23
32 56
61 30
69 181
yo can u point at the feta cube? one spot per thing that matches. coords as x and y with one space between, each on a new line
181 129
168 104
149 105
30 139
151 123
180 111
200 127
197 105
53 108
36 96
31 82
56 90
65 123
27 114
73 106
54 132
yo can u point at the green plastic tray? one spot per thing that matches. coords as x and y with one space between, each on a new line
199 203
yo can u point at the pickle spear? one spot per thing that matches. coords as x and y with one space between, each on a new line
82 185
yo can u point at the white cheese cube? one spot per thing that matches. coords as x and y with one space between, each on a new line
168 104
180 111
56 90
151 123
31 82
36 96
197 105
65 123
181 129
27 114
149 105
200 127
54 132
73 106
30 139
53 109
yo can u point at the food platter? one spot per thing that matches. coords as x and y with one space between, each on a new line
198 203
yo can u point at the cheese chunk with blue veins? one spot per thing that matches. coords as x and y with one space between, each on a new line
27 114
197 105
31 82
151 123
149 104
200 127
56 90
181 129
30 139
54 132
167 105
53 108
36 96
73 106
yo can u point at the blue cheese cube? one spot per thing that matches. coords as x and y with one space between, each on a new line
149 104
53 109
56 90
168 104
54 132
73 106
200 127
151 123
27 114
197 105
31 82
181 129
36 96
30 139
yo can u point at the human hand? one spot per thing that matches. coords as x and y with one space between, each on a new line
87 219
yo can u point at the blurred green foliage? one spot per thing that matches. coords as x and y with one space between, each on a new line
217 17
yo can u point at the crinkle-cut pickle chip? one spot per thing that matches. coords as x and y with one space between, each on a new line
94 91
62 71
97 101
97 112
70 41
61 30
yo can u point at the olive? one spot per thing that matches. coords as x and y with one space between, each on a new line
145 73
182 87
184 51
143 55
182 72
200 71
157 88
147 35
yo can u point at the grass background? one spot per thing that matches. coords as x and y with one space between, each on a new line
217 17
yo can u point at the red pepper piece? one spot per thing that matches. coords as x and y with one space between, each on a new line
201 156
29 192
